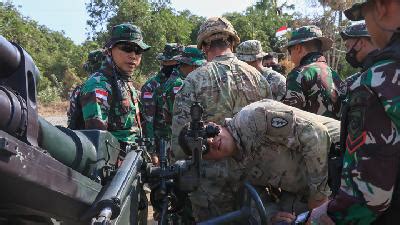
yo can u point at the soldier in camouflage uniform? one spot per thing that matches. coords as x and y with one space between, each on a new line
152 96
109 100
360 51
223 86
273 145
190 59
74 113
251 52
312 85
369 191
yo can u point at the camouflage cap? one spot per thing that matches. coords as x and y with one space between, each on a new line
170 50
354 12
94 61
355 31
308 33
127 33
191 56
215 28
250 50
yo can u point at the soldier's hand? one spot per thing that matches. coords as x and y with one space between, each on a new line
319 215
280 217
155 160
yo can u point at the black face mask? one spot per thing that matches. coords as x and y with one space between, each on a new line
351 57
167 70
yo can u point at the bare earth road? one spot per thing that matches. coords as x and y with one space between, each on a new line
62 121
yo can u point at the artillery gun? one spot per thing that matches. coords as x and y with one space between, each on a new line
72 176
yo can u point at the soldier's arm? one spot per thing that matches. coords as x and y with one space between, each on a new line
365 193
184 99
147 98
95 99
315 144
294 91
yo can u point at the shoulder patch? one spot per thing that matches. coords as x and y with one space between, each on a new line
278 122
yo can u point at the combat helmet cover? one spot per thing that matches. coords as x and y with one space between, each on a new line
216 28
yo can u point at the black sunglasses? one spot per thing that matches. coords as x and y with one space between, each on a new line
128 48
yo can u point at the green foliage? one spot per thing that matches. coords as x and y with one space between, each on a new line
49 90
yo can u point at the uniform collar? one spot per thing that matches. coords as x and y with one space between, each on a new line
224 57
311 58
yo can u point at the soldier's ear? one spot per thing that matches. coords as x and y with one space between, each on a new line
109 52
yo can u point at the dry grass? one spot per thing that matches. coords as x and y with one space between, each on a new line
53 109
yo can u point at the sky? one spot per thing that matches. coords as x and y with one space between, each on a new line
70 15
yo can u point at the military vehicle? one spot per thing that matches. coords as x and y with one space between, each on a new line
56 175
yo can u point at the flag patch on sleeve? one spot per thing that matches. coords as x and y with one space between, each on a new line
101 94
147 95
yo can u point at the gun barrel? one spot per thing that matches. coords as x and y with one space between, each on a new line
10 58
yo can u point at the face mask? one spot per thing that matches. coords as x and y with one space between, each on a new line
167 70
351 57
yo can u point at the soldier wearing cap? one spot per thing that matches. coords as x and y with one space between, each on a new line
251 52
271 60
108 98
190 59
360 50
369 191
152 96
223 86
312 85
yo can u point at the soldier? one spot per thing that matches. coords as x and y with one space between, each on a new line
74 113
251 52
223 86
272 144
360 50
109 100
312 85
152 97
270 60
369 191
190 59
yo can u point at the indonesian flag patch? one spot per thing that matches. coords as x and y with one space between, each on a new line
147 95
101 94
176 89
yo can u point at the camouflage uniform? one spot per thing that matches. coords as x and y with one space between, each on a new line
152 98
223 86
295 145
250 51
313 86
109 100
189 56
372 144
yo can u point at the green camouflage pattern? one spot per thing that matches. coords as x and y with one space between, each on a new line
276 81
170 51
355 31
249 51
308 33
314 87
354 12
152 105
191 56
97 97
127 33
371 160
94 61
295 144
223 86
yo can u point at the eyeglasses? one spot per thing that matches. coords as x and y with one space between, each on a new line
128 48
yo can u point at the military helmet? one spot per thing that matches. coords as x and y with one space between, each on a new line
191 56
127 33
170 51
216 28
308 33
355 31
249 51
354 12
